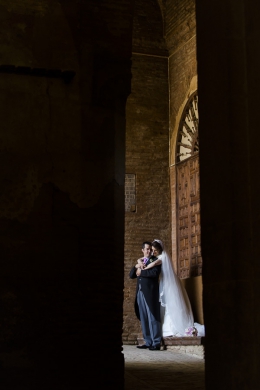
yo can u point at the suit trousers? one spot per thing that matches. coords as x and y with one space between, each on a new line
151 328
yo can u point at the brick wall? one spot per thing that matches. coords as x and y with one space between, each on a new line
181 42
147 147
180 22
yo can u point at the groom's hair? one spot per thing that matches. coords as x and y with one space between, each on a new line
146 242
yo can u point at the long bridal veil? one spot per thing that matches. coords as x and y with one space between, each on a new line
173 297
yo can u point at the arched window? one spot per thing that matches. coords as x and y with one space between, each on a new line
188 136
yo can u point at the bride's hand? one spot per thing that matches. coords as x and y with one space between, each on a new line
140 263
141 266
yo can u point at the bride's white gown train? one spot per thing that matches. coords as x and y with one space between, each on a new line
176 313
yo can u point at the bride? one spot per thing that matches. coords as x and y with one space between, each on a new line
176 313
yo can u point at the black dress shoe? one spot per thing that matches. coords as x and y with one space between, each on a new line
154 348
144 346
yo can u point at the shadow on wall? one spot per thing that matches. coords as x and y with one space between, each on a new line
194 290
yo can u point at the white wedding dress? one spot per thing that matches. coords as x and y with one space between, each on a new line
176 313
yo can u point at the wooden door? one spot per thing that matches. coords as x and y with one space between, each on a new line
188 218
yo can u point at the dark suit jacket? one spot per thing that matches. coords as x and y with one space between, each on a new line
149 282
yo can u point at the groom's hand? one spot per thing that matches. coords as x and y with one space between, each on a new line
138 271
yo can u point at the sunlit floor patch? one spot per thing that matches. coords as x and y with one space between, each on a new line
147 370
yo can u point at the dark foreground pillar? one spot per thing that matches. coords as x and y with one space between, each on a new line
62 194
228 38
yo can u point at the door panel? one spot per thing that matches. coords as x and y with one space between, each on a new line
188 218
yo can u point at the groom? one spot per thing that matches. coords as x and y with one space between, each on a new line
147 306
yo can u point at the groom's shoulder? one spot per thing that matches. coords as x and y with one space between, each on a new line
152 259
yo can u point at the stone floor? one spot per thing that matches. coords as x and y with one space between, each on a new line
152 370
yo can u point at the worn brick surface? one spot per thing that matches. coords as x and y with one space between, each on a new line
147 157
193 350
148 34
147 148
180 23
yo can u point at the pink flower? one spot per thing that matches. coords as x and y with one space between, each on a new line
191 331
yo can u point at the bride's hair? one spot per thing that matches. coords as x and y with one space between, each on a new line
157 246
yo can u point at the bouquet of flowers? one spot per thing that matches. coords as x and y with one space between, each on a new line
191 331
